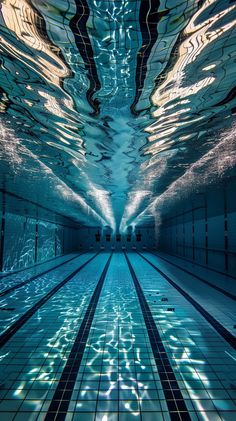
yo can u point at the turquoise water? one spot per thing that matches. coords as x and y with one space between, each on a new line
112 110
112 113
118 378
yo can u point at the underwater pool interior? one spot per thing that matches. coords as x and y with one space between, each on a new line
118 210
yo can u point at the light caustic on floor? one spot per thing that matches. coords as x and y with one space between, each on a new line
118 376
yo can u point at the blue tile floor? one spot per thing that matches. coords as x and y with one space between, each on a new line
118 377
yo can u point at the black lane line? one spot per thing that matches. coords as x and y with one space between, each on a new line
149 17
4 275
61 398
213 322
78 25
148 20
174 399
7 291
226 293
4 337
199 264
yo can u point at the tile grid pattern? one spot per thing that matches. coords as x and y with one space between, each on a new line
204 364
33 360
61 398
228 336
118 378
8 333
172 392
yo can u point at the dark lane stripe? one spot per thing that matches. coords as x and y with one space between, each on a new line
61 399
213 322
231 95
83 43
21 284
226 293
174 399
10 273
174 54
4 338
41 27
148 21
199 264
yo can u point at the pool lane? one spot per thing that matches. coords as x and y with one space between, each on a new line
118 377
217 309
8 333
34 268
8 280
205 275
62 396
18 282
31 363
203 362
15 305
174 398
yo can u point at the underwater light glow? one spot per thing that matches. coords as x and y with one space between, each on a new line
117 217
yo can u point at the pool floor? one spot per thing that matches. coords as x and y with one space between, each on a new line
117 336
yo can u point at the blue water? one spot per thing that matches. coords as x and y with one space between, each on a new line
114 112
118 377
111 114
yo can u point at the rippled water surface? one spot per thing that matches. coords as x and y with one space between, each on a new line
111 109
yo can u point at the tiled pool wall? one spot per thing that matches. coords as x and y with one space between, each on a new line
31 234
98 238
203 229
26 240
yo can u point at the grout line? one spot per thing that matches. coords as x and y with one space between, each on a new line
61 399
226 293
174 398
223 332
14 287
4 337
